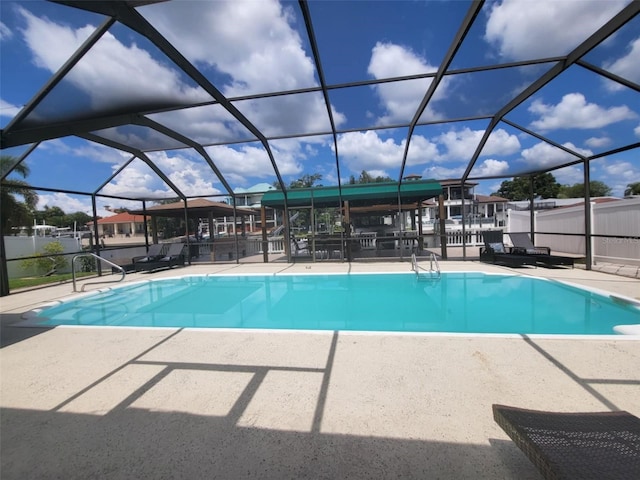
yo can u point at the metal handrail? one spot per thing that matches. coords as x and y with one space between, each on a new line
433 259
73 270
417 268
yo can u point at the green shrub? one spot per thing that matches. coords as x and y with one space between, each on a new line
47 261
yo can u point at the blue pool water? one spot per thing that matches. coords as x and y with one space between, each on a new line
457 302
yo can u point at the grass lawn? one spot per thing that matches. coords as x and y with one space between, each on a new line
15 283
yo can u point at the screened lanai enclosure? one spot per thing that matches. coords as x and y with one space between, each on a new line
135 104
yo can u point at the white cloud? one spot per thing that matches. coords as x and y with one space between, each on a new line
627 66
364 151
66 202
205 125
637 131
190 177
400 100
5 32
7 109
441 172
421 150
596 142
490 168
86 151
111 71
556 26
573 111
238 163
254 43
569 175
137 181
257 49
622 169
461 144
545 155
616 174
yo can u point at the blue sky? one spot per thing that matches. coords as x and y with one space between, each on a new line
253 47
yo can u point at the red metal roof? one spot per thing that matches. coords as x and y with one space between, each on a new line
124 217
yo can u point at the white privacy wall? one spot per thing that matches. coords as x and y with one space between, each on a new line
616 218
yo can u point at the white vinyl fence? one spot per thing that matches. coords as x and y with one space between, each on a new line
611 219
19 247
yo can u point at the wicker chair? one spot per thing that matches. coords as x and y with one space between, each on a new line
494 251
154 254
600 445
523 245
174 257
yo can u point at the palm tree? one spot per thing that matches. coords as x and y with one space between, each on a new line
632 189
14 212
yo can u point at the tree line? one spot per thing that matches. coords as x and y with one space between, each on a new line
546 186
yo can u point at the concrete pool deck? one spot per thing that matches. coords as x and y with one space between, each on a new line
188 403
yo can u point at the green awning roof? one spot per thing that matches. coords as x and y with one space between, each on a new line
357 195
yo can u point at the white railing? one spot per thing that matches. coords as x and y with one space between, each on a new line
471 237
367 240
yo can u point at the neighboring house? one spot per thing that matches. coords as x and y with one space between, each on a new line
489 206
121 224
252 196
476 207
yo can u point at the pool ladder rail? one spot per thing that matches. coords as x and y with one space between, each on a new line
73 270
423 273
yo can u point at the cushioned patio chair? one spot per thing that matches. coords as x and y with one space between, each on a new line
495 251
299 248
173 257
154 254
596 445
523 245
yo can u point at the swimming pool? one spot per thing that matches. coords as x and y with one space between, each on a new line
396 302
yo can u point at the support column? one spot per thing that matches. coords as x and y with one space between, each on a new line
532 222
154 229
96 235
347 230
4 272
587 217
443 226
144 224
420 239
265 240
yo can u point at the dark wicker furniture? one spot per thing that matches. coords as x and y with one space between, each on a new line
599 446
494 251
153 255
174 257
523 245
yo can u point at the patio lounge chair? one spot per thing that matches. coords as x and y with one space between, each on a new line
299 248
153 254
494 251
173 257
523 245
597 445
